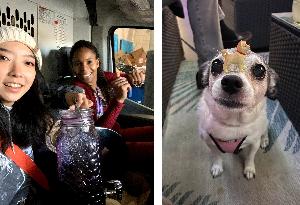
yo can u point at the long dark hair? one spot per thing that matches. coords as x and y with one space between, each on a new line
101 80
29 118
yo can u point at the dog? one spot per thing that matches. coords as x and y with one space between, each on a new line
232 109
237 57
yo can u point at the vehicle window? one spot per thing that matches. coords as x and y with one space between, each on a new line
131 49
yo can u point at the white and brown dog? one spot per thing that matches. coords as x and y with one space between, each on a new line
232 109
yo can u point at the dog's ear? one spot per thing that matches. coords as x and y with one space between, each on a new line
272 82
202 76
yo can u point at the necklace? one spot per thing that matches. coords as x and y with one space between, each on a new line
100 102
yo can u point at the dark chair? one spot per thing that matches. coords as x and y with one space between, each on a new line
254 16
172 52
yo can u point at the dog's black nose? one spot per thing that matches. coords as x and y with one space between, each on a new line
231 84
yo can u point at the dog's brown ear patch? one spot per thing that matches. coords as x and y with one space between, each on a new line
202 76
272 82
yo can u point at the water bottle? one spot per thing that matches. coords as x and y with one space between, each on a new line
79 156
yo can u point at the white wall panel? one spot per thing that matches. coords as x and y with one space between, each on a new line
19 13
55 24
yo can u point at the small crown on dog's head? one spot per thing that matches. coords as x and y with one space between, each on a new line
237 57
242 47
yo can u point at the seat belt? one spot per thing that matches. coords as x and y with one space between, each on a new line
21 159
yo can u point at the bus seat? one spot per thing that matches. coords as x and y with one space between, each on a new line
149 85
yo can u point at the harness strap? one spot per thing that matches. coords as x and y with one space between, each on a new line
27 165
236 150
218 146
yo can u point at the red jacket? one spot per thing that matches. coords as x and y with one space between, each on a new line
113 109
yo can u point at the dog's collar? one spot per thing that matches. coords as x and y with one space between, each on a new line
230 146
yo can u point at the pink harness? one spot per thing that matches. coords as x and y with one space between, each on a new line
230 146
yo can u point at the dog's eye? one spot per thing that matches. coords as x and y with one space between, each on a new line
259 71
216 67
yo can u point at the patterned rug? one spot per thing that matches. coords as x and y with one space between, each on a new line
186 158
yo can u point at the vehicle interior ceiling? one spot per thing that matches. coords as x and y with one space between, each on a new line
102 15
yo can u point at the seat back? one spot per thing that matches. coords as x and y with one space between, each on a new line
149 81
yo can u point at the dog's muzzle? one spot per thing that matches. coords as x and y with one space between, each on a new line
231 84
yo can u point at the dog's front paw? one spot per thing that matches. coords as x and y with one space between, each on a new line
264 142
249 172
216 170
